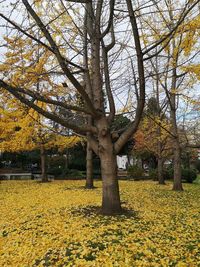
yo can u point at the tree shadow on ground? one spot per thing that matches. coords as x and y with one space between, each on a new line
91 211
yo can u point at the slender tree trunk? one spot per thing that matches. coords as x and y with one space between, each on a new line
66 163
160 171
139 162
67 159
89 166
88 85
43 164
177 167
158 111
160 161
177 186
187 164
129 161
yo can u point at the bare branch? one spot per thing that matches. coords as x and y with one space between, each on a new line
107 84
141 100
60 58
79 1
172 32
47 114
110 21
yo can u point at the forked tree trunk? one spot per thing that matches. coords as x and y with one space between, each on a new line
89 168
43 164
160 171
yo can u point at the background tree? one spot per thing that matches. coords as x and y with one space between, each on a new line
168 67
159 144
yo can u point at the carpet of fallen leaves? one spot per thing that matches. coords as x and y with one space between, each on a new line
56 224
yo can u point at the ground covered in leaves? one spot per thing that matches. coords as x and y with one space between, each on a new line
55 224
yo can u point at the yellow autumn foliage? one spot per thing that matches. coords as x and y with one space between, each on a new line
151 131
24 129
21 128
193 68
54 225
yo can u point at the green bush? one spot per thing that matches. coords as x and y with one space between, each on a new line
188 175
153 174
197 165
74 172
168 173
65 174
78 164
135 171
55 170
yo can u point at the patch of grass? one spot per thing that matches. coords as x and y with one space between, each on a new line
60 224
197 181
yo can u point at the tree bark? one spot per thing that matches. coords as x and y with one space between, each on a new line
89 168
160 171
159 134
111 199
43 164
177 186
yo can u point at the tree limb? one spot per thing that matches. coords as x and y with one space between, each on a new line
172 32
47 114
60 58
141 100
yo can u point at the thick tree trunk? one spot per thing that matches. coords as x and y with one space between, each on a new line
160 171
89 168
43 164
111 199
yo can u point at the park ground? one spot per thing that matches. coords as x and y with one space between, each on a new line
57 224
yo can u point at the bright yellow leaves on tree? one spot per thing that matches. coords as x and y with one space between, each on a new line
25 63
195 69
24 129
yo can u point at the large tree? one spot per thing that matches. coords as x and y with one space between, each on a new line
101 51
